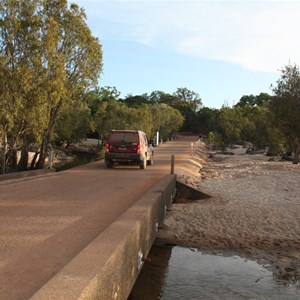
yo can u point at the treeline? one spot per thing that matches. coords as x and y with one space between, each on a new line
266 121
49 67
158 111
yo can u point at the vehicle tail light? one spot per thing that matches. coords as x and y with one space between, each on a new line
138 149
106 148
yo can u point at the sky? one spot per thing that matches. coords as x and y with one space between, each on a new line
221 50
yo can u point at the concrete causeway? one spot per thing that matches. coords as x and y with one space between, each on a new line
84 233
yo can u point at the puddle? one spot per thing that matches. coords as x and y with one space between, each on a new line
182 273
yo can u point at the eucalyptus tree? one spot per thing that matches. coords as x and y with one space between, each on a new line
136 101
186 95
232 122
247 100
72 59
285 105
19 77
48 59
106 108
73 124
156 96
188 103
257 127
117 115
251 100
263 99
97 96
141 118
207 120
111 114
185 101
166 120
264 134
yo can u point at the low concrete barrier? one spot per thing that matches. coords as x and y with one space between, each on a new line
108 267
25 174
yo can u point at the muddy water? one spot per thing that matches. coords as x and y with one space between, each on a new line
181 273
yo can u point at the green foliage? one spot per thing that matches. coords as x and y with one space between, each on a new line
186 95
285 106
179 108
251 100
207 120
249 123
262 132
215 141
111 115
251 120
231 123
166 120
73 124
104 94
147 117
109 94
141 118
136 101
185 101
48 61
19 80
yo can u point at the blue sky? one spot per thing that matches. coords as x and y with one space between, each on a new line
221 50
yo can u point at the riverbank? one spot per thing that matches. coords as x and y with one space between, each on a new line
252 210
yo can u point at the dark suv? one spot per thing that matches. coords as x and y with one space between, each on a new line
128 146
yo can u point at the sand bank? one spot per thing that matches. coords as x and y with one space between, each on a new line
253 210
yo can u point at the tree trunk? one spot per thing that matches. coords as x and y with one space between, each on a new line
12 159
34 160
4 153
47 136
41 162
23 163
296 155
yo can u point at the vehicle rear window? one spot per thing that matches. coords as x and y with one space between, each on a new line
126 137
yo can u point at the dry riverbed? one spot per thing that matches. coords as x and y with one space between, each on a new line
253 210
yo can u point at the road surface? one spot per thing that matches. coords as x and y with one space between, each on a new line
47 220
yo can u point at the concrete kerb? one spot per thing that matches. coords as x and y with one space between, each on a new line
25 174
108 267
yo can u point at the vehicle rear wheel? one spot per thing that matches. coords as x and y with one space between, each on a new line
109 164
143 164
150 161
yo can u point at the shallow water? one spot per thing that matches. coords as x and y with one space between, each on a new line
78 160
182 273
